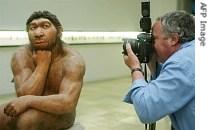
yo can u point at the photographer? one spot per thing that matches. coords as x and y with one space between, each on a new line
172 88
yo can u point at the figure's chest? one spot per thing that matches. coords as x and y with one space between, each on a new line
54 79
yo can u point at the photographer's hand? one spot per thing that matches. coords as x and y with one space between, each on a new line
131 59
132 62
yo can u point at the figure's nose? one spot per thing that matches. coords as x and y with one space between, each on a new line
39 32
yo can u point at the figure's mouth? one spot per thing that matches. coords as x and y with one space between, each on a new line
40 42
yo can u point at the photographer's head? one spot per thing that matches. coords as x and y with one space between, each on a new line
170 31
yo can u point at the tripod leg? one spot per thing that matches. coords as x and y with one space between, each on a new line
172 128
152 126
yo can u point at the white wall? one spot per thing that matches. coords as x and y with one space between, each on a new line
5 72
80 15
159 7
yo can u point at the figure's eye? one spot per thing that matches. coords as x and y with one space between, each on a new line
32 28
46 26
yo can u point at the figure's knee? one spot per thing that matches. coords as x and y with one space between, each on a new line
6 122
36 120
28 120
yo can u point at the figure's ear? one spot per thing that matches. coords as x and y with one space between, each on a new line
60 30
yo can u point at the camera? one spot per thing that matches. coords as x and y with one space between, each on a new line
143 45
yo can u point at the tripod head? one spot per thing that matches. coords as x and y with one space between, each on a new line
145 21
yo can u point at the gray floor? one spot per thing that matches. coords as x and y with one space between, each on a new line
100 107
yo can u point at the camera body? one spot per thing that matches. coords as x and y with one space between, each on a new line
143 45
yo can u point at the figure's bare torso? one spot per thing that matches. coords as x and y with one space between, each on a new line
56 70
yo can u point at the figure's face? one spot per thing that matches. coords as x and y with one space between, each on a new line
162 44
42 34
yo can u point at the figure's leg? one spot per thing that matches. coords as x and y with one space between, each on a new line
6 122
27 121
65 121
37 120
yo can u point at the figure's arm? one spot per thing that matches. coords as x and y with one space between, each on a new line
69 91
64 102
30 71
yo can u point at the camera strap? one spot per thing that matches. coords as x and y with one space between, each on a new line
145 73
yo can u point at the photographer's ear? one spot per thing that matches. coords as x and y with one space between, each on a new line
175 39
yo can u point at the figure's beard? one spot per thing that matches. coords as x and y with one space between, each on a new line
41 47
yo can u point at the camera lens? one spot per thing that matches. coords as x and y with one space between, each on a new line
142 47
133 43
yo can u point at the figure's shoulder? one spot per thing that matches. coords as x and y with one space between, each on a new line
73 54
22 52
22 58
73 60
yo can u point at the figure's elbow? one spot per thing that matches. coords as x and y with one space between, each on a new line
69 106
64 108
20 93
23 92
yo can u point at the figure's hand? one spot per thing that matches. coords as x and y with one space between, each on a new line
17 106
42 57
131 60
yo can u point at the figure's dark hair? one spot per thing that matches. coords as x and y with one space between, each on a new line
44 14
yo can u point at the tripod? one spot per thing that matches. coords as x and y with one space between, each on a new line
152 126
